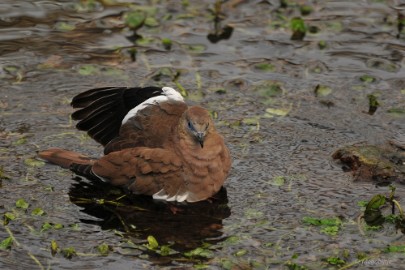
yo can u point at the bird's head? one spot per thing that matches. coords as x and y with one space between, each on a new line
197 123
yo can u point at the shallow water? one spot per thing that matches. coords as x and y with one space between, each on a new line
280 133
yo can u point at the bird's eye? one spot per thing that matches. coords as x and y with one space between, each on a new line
190 126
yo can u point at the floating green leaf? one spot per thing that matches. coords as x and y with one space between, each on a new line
151 22
54 247
86 6
134 19
3 175
58 226
195 48
268 244
145 41
329 226
299 28
201 266
253 213
372 214
199 252
38 212
362 203
167 43
88 69
103 249
367 79
373 104
330 230
69 252
114 72
64 26
294 266
32 162
100 201
265 67
400 249
21 203
271 112
322 90
240 252
165 250
376 202
335 261
322 44
232 239
227 264
393 218
220 91
75 227
254 121
7 217
270 89
305 10
152 243
278 181
46 226
6 243
11 69
20 141
322 221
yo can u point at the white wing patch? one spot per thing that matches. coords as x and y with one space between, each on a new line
168 94
161 195
100 177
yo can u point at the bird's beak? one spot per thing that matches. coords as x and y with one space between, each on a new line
200 138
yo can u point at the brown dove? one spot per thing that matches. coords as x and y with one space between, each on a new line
154 144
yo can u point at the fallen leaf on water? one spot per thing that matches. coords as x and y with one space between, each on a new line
8 216
322 90
6 243
152 243
21 203
271 112
69 252
54 247
32 162
38 212
103 249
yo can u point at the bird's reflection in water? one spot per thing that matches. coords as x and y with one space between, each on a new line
185 226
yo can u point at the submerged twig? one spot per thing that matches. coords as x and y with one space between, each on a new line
36 261
12 236
359 224
10 233
401 212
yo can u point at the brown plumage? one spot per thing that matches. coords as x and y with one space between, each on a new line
154 143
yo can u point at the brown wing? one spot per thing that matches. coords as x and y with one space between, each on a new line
142 170
150 127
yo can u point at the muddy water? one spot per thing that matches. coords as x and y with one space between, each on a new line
259 85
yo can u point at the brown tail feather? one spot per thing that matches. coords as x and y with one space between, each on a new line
65 158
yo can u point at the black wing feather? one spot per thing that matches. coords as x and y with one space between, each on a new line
84 99
102 110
